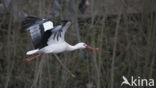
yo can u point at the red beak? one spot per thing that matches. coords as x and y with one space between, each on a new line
91 48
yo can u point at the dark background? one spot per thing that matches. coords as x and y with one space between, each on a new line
124 30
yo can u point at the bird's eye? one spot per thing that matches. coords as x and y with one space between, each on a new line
84 44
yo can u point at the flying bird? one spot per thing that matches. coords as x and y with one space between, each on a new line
48 38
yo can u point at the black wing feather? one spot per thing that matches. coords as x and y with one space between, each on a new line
58 35
36 29
36 35
55 33
45 38
29 21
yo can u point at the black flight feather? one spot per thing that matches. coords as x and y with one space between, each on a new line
55 35
58 35
37 32
29 21
44 39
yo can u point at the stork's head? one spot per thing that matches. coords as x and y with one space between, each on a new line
85 46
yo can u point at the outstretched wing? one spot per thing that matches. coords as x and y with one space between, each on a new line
38 29
58 33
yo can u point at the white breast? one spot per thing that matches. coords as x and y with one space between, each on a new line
54 48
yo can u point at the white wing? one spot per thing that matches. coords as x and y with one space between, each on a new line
58 33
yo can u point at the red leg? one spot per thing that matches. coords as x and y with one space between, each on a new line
31 57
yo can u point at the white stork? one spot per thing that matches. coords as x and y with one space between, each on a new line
48 39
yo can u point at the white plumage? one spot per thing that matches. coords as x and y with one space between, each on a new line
48 25
32 52
48 38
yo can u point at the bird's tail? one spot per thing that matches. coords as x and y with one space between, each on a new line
32 52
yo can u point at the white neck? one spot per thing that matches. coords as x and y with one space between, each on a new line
71 48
